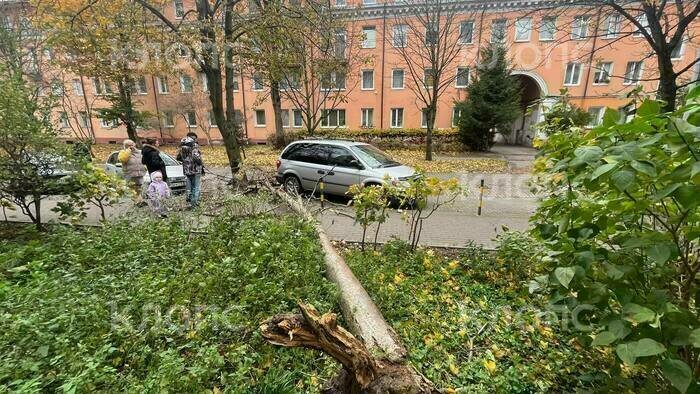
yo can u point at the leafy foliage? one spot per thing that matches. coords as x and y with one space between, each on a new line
148 307
370 203
563 115
493 103
621 220
471 327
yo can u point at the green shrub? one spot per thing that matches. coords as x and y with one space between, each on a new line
148 307
562 116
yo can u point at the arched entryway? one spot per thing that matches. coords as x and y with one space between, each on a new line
531 103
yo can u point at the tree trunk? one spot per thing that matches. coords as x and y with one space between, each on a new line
277 109
362 372
37 213
668 88
430 114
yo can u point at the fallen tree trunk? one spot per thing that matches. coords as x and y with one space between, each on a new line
362 316
362 372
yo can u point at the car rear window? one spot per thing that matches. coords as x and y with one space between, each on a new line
308 153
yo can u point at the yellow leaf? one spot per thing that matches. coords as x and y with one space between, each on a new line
454 369
490 366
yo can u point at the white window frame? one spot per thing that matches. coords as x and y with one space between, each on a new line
642 19
402 33
362 82
396 122
63 121
579 27
108 125
369 2
162 83
573 68
518 27
333 81
257 123
499 22
78 87
424 118
183 78
597 118
294 118
366 118
100 87
204 81
598 70
612 33
462 24
191 125
288 123
256 77
82 118
212 120
325 120
341 3
629 81
403 78
137 86
366 42
457 85
428 28
454 112
681 51
168 119
425 78
545 23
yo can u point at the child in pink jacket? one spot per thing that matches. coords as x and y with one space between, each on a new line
158 191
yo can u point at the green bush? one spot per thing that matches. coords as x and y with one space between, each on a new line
150 307
562 116
621 218
471 331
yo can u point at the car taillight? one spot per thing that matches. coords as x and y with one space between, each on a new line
279 163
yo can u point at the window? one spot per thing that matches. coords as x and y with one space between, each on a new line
462 79
642 20
596 116
602 73
466 32
456 114
108 124
428 77
57 88
340 3
431 34
677 51
633 74
63 120
340 43
400 36
162 83
333 118
396 118
82 119
191 118
397 78
523 29
579 28
168 119
369 2
101 87
573 74
185 83
259 117
367 80
341 157
179 9
367 114
182 51
285 117
369 37
424 118
335 80
498 30
205 82
212 119
236 75
78 87
257 82
139 85
612 26
548 29
6 22
298 118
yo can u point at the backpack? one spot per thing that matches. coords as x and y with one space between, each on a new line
124 155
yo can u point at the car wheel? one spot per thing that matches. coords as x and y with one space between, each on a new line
292 185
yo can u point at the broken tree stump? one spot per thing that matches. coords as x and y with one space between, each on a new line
362 372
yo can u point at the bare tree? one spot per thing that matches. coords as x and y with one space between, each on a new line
426 35
664 27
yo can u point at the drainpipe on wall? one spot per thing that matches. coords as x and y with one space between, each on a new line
381 93
590 58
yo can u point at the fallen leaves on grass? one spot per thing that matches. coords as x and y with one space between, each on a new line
415 158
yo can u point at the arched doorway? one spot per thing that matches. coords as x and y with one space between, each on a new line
531 103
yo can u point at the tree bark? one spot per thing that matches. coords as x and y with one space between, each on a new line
668 87
277 109
362 372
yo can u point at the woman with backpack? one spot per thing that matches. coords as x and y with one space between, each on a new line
132 169
192 167
151 157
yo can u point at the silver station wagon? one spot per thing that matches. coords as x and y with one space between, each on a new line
339 164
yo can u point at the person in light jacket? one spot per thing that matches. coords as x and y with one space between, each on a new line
132 168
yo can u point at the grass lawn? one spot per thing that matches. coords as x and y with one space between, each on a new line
146 307
265 156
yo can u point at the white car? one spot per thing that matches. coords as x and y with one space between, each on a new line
173 168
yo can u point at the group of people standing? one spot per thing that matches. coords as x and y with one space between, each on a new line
136 163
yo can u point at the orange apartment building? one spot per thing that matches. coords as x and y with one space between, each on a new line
548 53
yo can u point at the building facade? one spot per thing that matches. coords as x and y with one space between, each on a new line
597 57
